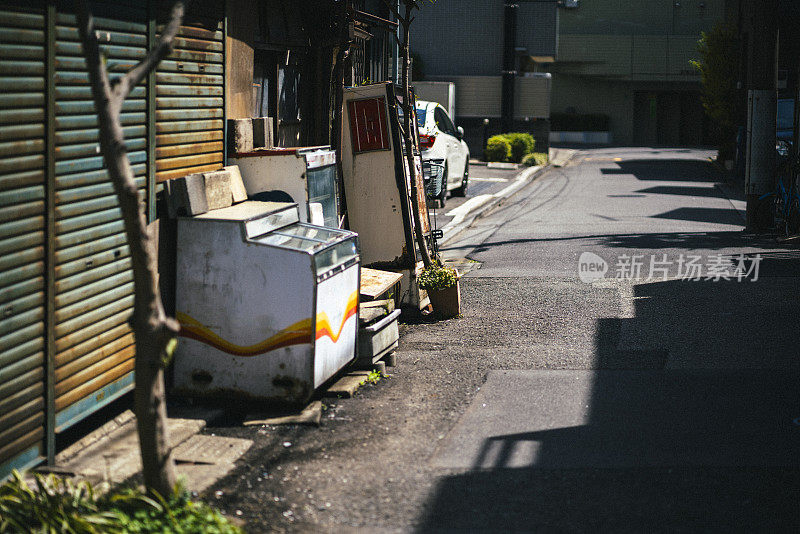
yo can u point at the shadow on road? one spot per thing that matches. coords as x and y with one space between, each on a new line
667 170
689 191
655 241
689 421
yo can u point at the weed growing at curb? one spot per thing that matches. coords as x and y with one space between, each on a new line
372 378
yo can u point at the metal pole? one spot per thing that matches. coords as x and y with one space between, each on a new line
509 64
761 113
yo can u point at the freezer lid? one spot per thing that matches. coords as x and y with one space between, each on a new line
246 211
336 258
304 237
255 217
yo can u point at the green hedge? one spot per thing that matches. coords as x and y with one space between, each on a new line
574 122
509 147
498 148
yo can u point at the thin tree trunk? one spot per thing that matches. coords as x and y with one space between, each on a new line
154 332
408 107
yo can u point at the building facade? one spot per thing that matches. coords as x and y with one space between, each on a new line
631 61
463 41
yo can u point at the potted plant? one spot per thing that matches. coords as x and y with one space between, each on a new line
441 283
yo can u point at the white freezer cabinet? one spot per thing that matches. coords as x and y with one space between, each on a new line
268 305
303 175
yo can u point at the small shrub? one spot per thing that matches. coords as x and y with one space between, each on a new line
51 504
521 143
437 277
534 158
178 515
498 148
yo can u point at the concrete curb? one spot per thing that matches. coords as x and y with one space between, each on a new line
465 215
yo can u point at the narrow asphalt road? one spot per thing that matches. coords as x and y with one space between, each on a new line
626 361
483 180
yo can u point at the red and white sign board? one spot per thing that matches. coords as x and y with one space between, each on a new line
369 129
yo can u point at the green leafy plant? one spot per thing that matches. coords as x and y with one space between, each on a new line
498 148
509 147
718 65
521 143
50 504
535 158
437 277
372 378
176 515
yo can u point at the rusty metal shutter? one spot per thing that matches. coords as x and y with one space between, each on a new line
94 348
22 237
189 99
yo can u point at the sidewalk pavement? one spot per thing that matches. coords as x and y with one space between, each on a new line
111 453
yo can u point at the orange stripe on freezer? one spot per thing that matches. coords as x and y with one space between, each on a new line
296 334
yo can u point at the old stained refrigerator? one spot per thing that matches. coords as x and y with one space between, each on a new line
268 305
303 175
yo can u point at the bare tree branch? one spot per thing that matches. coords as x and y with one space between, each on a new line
392 8
91 49
153 331
123 86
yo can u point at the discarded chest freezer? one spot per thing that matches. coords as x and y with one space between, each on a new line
303 175
268 305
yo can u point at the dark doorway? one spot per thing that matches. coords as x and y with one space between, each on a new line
668 118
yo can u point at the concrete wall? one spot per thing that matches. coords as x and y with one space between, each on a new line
634 57
239 59
585 95
610 51
651 17
465 37
480 96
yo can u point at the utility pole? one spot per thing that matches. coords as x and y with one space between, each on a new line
509 63
762 101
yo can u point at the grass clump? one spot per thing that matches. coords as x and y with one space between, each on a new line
535 158
51 504
372 378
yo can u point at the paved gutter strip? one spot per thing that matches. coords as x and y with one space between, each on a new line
465 214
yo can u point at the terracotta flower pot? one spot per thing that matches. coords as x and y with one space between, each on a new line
446 302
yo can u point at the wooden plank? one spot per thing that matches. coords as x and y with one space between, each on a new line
375 283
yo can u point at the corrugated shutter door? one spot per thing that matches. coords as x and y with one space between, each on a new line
189 101
22 237
94 285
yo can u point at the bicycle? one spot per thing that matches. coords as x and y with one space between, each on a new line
786 199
